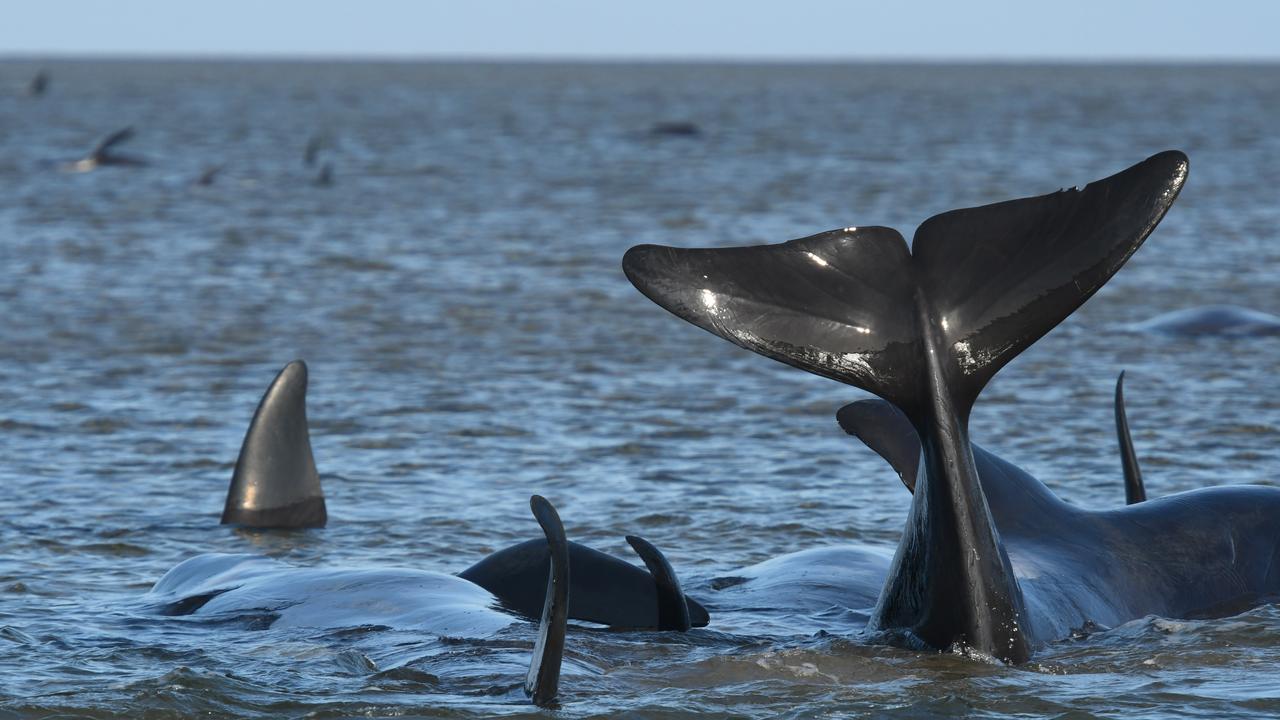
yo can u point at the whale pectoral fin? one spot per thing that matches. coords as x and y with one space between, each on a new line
887 431
542 682
275 483
1134 490
673 610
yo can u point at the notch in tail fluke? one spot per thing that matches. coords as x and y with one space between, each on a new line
1134 490
977 287
673 609
542 683
275 483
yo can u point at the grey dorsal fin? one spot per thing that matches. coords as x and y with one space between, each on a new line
103 148
673 611
542 683
977 287
275 483
1134 490
888 432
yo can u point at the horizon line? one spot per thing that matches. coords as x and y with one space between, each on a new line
637 58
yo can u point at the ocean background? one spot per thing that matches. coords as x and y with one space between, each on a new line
457 293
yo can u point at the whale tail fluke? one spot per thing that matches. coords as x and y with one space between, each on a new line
1134 490
673 609
275 483
542 683
977 287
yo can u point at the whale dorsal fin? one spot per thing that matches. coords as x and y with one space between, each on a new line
888 432
103 148
1134 490
542 682
275 483
978 286
673 610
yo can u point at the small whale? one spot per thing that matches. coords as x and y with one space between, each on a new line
1223 320
678 128
311 152
227 587
325 177
39 84
926 327
275 484
208 175
102 154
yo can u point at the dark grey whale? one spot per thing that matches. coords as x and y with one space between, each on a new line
102 154
926 328
224 588
1211 320
275 485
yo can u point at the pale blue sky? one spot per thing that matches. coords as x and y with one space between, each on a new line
726 29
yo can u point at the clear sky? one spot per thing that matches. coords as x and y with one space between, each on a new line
693 29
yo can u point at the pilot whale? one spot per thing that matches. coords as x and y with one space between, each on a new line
227 587
926 328
835 588
1212 320
275 484
102 154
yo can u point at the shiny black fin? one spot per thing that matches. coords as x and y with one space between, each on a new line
673 610
884 429
605 589
542 683
275 483
1134 490
978 287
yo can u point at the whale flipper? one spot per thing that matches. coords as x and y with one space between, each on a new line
1134 490
673 610
888 432
606 590
542 683
926 328
275 483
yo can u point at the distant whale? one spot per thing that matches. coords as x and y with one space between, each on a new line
102 154
926 328
1226 320
276 485
225 588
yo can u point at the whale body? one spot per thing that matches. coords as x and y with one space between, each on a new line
925 328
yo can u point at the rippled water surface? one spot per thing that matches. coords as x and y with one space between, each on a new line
457 293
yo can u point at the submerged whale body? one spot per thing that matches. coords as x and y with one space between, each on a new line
1225 320
229 587
276 485
926 327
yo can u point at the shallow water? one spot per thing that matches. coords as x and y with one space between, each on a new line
472 340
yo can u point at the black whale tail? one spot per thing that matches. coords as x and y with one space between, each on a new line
926 328
275 483
978 286
542 683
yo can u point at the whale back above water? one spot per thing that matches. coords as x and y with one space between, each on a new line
926 328
263 593
1210 320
